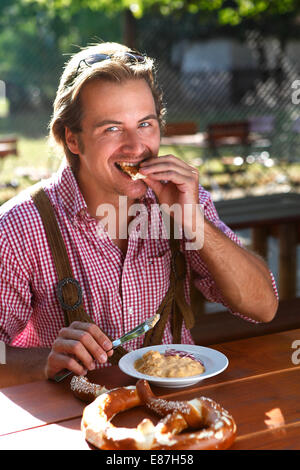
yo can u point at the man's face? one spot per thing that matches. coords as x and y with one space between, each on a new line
119 125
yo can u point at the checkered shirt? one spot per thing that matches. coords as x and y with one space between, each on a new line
119 291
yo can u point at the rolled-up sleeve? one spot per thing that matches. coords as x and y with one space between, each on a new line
15 298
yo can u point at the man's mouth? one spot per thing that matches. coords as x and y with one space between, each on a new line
130 169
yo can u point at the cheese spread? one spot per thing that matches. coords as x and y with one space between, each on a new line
156 364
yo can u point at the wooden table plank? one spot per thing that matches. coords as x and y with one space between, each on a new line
22 407
64 436
27 407
36 403
249 401
252 356
261 376
281 438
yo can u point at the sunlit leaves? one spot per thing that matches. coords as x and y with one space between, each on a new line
229 12
229 16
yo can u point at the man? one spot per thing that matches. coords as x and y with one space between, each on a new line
108 113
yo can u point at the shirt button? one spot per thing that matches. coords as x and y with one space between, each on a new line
130 310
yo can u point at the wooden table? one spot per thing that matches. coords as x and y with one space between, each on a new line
262 380
8 146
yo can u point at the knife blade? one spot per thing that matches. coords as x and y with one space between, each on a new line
137 331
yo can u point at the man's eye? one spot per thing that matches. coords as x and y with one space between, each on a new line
111 129
145 124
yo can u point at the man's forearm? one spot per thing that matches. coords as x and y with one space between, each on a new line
242 277
23 365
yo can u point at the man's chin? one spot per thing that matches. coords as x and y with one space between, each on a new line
135 190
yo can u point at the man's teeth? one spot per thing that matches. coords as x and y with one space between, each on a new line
124 164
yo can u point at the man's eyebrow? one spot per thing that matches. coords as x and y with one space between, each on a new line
150 116
105 122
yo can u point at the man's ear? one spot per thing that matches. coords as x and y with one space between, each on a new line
71 141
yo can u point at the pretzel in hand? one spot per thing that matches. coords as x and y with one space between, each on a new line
210 426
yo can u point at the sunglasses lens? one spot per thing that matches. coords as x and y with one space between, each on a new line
93 59
135 57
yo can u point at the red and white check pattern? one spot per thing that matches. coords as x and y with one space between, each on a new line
119 291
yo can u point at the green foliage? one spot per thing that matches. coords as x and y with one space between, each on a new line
34 41
232 12
36 36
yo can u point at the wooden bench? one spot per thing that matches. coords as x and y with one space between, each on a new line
177 134
223 326
180 128
275 215
247 134
226 134
8 146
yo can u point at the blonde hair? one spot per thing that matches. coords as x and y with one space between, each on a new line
67 108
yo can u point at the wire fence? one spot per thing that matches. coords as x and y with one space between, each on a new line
203 97
269 91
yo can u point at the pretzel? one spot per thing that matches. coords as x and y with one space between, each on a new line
132 171
211 427
85 390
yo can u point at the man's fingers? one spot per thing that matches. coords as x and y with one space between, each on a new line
94 331
90 335
80 343
58 362
169 160
72 347
77 347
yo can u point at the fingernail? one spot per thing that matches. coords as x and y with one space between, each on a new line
107 344
102 358
92 366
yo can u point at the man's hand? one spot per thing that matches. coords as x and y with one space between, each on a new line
180 187
182 179
242 278
76 348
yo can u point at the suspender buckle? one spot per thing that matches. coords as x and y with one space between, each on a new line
59 288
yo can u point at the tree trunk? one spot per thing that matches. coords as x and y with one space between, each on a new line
129 31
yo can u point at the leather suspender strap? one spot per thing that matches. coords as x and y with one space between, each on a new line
70 295
68 289
174 302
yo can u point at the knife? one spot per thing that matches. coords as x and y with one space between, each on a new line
132 334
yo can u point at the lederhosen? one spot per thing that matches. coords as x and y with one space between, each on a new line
70 294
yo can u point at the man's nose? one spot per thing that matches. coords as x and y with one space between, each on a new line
132 144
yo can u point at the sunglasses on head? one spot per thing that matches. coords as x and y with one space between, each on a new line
95 58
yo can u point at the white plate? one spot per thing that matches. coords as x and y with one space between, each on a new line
213 361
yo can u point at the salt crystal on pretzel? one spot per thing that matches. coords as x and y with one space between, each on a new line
85 390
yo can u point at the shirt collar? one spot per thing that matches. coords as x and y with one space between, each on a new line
149 198
73 199
69 192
